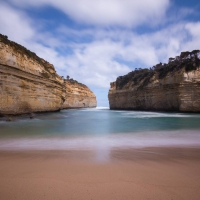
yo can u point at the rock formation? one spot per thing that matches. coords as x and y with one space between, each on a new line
78 95
165 87
30 84
27 82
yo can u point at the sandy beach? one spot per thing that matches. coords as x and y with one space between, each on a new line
150 173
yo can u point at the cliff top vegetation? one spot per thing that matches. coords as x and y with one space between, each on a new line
72 81
23 51
187 60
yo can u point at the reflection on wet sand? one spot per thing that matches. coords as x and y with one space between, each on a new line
144 173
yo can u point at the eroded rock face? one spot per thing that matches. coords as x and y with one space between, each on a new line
27 82
170 87
78 95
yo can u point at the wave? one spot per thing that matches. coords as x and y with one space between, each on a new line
108 142
141 114
95 109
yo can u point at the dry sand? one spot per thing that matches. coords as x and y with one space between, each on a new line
155 173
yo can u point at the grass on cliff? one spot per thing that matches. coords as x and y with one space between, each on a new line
135 77
188 60
72 81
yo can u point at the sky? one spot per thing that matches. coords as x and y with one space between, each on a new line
95 41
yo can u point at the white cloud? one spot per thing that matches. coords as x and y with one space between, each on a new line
107 12
21 29
194 40
15 24
194 29
94 63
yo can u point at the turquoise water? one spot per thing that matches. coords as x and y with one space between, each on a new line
88 128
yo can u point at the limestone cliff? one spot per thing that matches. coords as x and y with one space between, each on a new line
78 95
165 87
27 82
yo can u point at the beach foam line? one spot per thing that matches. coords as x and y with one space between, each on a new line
138 114
105 142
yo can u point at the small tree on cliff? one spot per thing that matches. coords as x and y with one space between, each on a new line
68 77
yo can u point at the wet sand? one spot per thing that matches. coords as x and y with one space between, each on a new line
150 173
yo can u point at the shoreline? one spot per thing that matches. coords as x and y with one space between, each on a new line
25 114
148 173
98 143
32 115
157 154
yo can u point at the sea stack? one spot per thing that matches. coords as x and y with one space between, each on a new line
78 95
27 83
164 87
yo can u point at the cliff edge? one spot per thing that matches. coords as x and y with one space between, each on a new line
27 83
78 95
164 87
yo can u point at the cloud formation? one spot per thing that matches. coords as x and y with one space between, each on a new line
15 23
107 12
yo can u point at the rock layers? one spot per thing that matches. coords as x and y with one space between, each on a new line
27 83
165 87
78 95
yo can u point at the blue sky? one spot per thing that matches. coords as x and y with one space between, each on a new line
95 41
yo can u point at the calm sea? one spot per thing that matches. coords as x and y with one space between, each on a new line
100 128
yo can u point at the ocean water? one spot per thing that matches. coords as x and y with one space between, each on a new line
101 129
